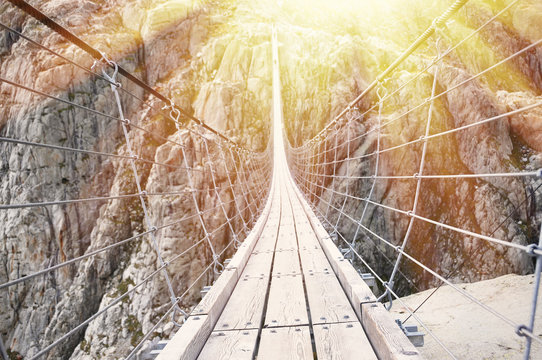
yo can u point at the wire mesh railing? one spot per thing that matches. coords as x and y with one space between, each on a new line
211 174
344 171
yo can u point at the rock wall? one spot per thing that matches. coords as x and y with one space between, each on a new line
342 59
213 59
167 44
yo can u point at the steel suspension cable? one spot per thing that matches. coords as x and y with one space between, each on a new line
437 23
99 56
441 57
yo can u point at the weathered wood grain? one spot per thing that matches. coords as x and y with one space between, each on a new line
388 340
187 343
288 343
286 262
244 309
286 305
327 301
229 345
342 341
258 265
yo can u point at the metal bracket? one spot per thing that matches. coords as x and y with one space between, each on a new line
369 280
155 351
204 290
412 333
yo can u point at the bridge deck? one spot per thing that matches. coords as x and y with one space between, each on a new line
288 293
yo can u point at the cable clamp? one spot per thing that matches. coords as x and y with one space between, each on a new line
410 213
143 193
531 249
113 64
520 330
153 229
416 175
437 25
125 121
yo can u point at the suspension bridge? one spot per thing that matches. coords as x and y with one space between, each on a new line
289 290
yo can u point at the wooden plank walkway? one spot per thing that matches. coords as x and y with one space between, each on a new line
288 293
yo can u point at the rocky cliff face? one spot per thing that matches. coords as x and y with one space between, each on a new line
213 59
168 45
505 208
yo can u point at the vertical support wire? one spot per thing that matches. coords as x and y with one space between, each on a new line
334 167
255 185
142 194
246 230
207 235
418 182
347 174
217 194
244 189
536 290
377 164
175 115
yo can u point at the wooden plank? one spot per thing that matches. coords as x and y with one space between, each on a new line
387 339
385 336
343 341
187 343
286 262
287 238
314 260
214 301
288 343
327 301
306 237
266 245
226 345
354 286
268 238
244 309
286 305
258 265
